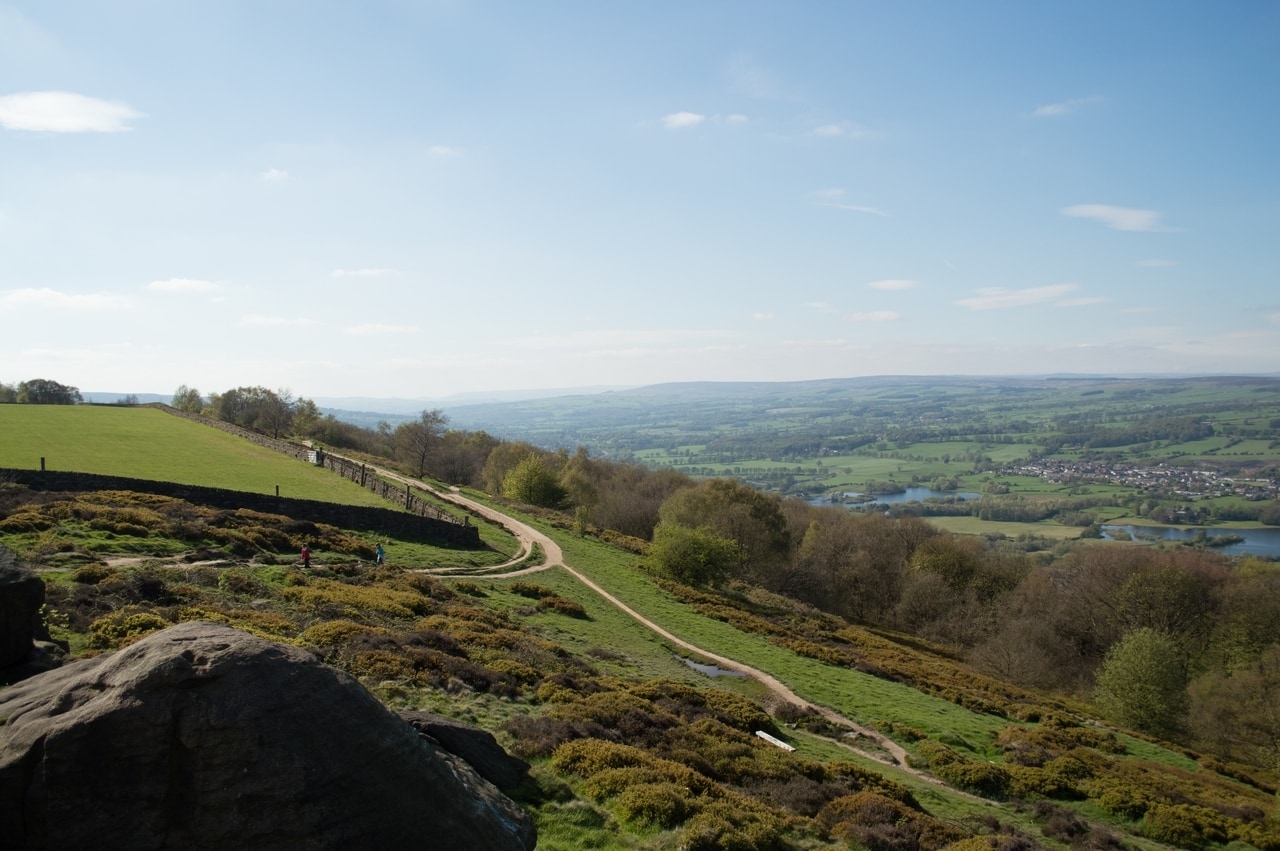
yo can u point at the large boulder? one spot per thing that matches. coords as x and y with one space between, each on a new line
21 596
477 747
204 736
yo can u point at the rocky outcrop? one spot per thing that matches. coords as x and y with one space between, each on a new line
204 736
21 596
477 747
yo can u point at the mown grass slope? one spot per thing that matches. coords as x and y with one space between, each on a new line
147 443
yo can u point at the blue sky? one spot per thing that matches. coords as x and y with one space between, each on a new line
417 199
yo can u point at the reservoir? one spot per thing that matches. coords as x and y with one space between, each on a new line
913 494
1257 542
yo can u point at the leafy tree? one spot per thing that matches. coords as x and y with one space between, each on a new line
730 509
461 455
188 399
1142 684
1238 714
306 416
533 483
415 440
693 556
8 394
42 391
502 460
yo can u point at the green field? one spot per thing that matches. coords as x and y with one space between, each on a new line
146 443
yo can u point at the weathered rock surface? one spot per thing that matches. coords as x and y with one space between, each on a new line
21 595
202 736
478 748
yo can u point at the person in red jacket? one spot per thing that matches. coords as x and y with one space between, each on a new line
306 556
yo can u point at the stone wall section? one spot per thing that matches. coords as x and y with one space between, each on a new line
392 522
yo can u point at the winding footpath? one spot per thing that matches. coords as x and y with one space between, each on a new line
554 557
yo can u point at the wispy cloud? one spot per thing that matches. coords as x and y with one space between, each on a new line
65 112
48 299
259 319
840 130
1082 301
1066 107
821 306
375 272
1117 218
184 285
875 316
762 317
615 338
892 284
736 118
373 328
678 120
994 298
444 151
275 175
1155 264
835 198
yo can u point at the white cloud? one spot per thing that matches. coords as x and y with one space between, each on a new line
1082 301
48 299
676 120
762 317
992 298
65 112
821 306
1117 218
1155 264
372 329
612 338
275 175
736 118
875 316
839 130
892 284
365 273
1066 107
184 285
259 319
444 151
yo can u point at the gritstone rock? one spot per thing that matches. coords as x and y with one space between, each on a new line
204 736
477 747
21 595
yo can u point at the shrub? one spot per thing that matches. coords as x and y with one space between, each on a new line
662 804
93 574
124 627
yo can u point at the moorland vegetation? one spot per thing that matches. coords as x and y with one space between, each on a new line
987 658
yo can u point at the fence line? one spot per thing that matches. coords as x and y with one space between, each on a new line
361 474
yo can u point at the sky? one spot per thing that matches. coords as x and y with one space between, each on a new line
392 198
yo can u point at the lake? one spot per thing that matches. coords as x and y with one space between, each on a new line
1257 542
916 494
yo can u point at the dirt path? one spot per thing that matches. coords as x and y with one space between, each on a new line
528 536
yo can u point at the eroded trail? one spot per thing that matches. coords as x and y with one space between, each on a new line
528 536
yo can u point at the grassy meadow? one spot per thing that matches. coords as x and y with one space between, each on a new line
146 443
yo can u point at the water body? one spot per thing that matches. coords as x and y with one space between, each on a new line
916 494
710 670
1257 542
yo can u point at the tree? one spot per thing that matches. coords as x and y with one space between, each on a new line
1142 684
531 482
1238 714
730 509
42 391
8 394
415 440
188 399
693 556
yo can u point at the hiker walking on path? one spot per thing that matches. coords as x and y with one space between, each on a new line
379 555
306 556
